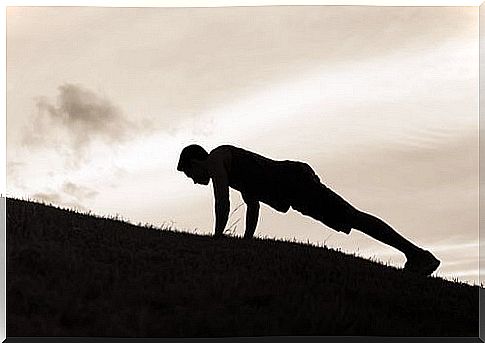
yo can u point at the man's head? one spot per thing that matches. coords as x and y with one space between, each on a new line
192 162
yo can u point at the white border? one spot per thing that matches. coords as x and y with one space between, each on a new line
154 3
218 3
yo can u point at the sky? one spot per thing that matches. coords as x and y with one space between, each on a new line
382 102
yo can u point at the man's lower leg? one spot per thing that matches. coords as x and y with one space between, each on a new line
419 261
379 230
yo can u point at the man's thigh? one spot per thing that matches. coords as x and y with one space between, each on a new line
326 206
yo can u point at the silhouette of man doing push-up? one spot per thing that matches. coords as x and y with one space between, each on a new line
285 184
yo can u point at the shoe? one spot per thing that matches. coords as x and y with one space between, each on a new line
422 263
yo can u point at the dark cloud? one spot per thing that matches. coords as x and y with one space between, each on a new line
79 117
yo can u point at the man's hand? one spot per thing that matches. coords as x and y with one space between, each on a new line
222 215
217 236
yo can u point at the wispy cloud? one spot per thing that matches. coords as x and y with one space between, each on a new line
52 198
13 172
69 194
79 192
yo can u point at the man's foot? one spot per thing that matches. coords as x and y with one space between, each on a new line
422 263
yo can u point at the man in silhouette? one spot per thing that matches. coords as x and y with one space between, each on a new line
285 184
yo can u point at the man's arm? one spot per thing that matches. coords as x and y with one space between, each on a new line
222 205
220 183
252 214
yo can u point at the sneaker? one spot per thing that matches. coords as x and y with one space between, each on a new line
422 263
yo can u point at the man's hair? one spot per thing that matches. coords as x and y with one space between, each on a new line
189 153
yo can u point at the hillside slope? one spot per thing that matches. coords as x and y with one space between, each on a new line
70 274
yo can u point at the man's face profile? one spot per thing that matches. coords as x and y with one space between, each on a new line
197 173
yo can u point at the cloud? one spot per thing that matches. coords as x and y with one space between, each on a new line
79 192
56 200
53 198
212 57
13 172
79 117
70 195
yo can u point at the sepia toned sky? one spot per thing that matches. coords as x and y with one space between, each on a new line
381 101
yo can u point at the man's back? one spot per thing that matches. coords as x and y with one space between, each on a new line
261 178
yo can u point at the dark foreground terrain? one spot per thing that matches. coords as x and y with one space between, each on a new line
70 274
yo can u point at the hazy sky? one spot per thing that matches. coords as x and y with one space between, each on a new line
381 101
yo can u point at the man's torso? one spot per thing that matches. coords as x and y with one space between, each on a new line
276 183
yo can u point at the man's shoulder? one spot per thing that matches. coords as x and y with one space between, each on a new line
223 148
221 152
220 159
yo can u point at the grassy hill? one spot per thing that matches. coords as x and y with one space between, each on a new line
71 274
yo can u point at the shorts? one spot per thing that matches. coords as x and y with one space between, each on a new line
312 198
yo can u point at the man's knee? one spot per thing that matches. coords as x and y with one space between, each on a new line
360 220
306 209
348 218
